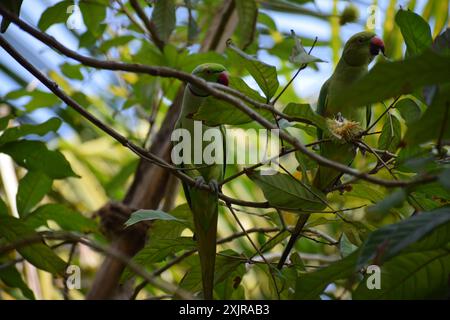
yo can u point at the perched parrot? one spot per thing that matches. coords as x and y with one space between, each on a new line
203 204
12 6
358 52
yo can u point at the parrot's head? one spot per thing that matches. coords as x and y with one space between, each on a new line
211 72
362 48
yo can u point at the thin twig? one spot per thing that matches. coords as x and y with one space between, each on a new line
256 248
382 115
187 254
133 266
201 83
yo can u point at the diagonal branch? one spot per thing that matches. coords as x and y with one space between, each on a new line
169 72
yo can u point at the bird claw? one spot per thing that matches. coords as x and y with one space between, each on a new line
214 185
199 181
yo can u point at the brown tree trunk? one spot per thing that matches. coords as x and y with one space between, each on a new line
150 182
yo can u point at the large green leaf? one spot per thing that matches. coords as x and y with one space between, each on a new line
415 31
12 278
35 156
42 129
389 240
416 275
284 191
248 13
148 215
38 254
390 135
302 112
164 18
165 236
32 188
391 79
434 123
265 75
311 285
157 251
66 218
409 110
93 15
39 99
54 14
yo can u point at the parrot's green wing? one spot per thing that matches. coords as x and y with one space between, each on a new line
322 104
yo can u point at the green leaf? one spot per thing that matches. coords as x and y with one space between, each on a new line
434 123
39 99
416 275
402 76
42 129
4 121
117 41
302 112
409 110
12 6
415 31
12 278
286 192
93 15
66 218
158 251
38 254
165 234
54 14
215 112
32 188
345 246
299 54
265 75
311 285
164 18
148 215
389 240
72 71
248 14
382 208
34 156
226 266
390 135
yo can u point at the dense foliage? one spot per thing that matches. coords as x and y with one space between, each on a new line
81 188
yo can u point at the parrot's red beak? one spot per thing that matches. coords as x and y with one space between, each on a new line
376 45
223 78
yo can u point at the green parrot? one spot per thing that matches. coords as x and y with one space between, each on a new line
358 52
12 6
203 204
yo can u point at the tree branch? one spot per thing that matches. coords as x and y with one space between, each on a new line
67 236
169 72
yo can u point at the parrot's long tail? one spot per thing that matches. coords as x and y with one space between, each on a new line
326 177
205 212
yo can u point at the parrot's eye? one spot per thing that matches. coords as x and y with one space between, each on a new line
361 40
